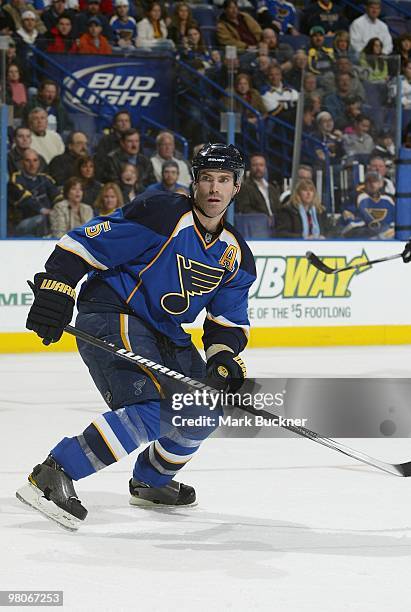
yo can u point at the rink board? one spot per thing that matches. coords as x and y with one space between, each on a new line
291 303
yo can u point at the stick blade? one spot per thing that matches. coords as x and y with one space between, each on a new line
317 263
404 469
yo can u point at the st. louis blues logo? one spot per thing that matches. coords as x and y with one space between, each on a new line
195 279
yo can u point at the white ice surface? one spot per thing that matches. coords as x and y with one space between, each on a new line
282 525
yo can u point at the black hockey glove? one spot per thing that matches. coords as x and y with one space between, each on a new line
406 254
52 308
226 371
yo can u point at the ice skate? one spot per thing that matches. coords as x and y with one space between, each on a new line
173 494
51 492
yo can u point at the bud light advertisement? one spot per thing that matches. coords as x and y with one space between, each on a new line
141 85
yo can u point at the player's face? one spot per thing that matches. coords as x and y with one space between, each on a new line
214 191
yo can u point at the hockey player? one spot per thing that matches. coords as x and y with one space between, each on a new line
153 265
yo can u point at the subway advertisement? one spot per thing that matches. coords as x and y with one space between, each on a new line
291 303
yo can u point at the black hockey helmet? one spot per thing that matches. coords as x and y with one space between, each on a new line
219 156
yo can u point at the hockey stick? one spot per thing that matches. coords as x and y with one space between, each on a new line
320 265
399 469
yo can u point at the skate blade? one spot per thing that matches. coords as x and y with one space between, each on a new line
146 503
32 496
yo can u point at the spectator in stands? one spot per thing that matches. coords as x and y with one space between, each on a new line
402 47
369 26
71 212
16 90
194 51
60 38
181 22
281 52
260 73
93 10
111 140
21 142
11 58
169 178
374 65
320 58
16 8
280 100
122 22
130 183
27 33
7 27
379 166
85 170
109 199
93 42
374 215
304 171
304 216
53 12
353 108
237 28
244 90
336 102
310 85
341 46
63 166
38 193
152 28
257 195
344 66
360 141
166 149
48 98
294 77
309 115
385 146
329 137
128 152
323 13
46 142
279 15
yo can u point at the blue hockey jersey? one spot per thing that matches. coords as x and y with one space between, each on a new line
163 265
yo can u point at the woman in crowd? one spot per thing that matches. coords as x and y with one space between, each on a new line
402 47
330 138
373 63
341 46
194 50
16 90
86 171
303 216
152 28
181 21
70 212
109 199
129 183
244 90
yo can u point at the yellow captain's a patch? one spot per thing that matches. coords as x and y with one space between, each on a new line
54 285
222 370
228 258
95 230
